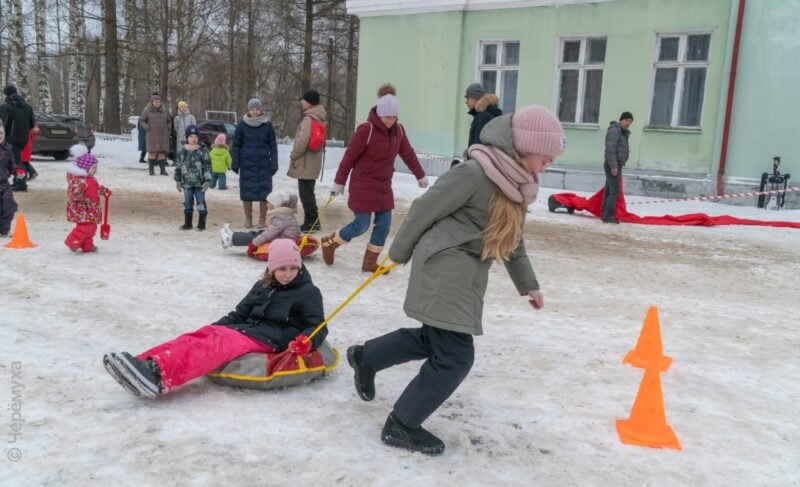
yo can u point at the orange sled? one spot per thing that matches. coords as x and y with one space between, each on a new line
307 244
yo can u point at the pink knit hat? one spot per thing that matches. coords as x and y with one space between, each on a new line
283 252
221 139
534 130
83 158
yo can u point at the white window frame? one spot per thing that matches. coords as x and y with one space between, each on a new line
581 67
681 64
498 68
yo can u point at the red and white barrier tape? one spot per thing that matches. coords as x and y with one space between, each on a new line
723 196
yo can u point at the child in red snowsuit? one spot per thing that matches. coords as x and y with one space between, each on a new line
83 204
277 314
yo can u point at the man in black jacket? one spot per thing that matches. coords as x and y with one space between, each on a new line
616 155
483 107
18 120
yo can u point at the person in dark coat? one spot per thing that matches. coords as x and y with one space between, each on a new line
255 160
8 168
473 216
369 164
616 155
142 141
18 120
277 314
158 123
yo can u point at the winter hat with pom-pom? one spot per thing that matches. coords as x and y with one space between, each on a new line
534 130
282 198
221 139
388 106
83 158
386 89
283 252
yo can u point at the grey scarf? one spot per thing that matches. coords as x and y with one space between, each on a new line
255 122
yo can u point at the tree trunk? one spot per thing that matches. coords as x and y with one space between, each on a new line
307 46
43 84
350 90
77 75
129 62
111 116
18 41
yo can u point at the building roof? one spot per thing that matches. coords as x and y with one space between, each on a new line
374 8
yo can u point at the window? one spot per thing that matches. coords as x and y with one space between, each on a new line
498 68
580 79
679 79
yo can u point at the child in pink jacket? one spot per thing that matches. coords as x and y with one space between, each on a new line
83 204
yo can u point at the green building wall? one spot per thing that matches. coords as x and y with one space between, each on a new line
431 58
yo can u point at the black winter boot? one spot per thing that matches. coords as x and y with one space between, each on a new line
187 221
151 165
416 439
364 377
163 165
201 222
143 374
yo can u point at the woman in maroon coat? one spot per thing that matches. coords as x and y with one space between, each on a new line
369 162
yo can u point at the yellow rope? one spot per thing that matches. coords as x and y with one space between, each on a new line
378 272
304 240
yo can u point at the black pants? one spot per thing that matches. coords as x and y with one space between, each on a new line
305 187
240 239
610 191
448 359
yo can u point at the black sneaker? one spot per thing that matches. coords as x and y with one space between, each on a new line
143 374
364 377
307 228
418 439
111 368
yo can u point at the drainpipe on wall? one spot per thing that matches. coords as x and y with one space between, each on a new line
723 156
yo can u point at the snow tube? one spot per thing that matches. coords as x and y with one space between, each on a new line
276 370
307 244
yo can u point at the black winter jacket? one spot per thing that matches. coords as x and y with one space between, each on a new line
277 314
18 120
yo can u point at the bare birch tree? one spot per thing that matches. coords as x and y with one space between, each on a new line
43 71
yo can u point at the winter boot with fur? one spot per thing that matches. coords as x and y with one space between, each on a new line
262 214
416 439
329 246
201 221
370 263
163 165
187 221
151 165
144 375
248 214
364 377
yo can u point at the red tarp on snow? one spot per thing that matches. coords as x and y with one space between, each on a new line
594 205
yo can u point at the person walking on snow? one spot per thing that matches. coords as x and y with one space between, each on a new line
305 164
192 177
616 155
278 313
8 168
472 216
369 164
255 159
183 119
18 120
83 204
158 125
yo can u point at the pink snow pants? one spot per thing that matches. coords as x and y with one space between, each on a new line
194 354
81 237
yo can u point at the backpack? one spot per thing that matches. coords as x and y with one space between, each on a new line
316 141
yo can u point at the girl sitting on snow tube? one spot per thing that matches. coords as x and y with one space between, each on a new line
281 223
277 314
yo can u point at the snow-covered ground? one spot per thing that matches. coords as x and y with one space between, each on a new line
537 409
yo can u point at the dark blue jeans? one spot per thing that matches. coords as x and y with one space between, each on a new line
610 192
360 224
191 195
218 176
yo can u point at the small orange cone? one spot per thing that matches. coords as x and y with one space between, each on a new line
647 425
648 348
20 239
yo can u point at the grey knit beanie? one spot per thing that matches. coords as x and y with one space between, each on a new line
474 91
255 103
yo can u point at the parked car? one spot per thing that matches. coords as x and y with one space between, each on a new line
53 137
209 129
85 132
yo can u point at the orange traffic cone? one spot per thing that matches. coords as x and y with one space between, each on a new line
20 239
648 348
647 425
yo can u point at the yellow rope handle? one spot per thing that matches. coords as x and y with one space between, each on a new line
378 272
304 240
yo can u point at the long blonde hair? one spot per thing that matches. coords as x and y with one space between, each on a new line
501 236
